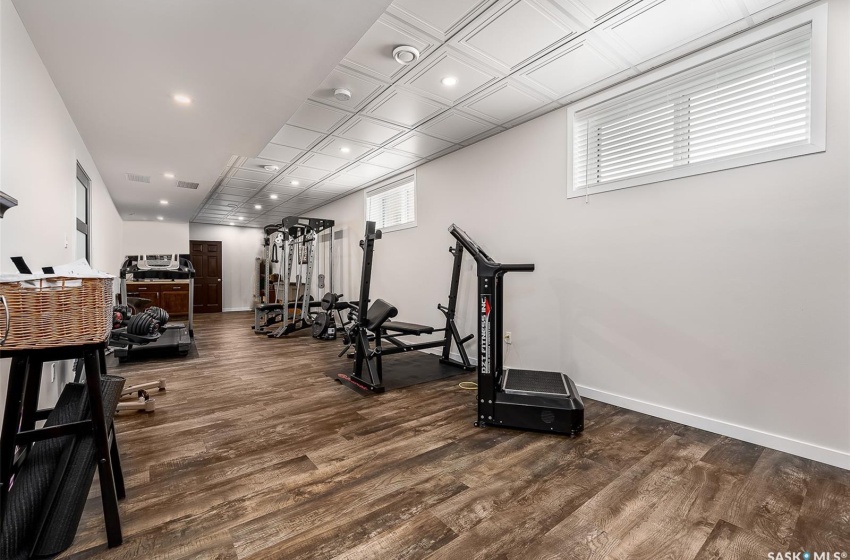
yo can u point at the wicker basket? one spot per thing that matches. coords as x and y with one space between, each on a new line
56 311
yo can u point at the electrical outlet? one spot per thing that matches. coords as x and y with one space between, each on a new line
53 373
508 337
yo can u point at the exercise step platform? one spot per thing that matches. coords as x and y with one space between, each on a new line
532 382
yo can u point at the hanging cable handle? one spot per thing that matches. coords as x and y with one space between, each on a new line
8 320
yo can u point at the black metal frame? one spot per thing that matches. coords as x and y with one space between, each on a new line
359 334
21 414
494 406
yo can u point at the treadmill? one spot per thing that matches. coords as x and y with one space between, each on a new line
514 398
176 337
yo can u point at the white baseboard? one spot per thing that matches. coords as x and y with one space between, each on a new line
781 443
229 309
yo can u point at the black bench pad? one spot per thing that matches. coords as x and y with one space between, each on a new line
407 328
269 306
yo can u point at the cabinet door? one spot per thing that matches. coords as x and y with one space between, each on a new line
175 302
147 291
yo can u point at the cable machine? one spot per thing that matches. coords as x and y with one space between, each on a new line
302 243
267 310
516 398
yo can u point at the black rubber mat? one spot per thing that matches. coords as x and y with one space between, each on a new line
532 381
33 481
408 369
62 520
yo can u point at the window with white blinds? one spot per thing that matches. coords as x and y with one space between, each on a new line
393 206
753 104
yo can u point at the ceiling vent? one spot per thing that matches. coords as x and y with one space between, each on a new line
187 185
136 178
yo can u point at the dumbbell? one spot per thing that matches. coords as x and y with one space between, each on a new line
142 324
159 314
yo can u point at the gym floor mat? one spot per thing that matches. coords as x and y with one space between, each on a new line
408 369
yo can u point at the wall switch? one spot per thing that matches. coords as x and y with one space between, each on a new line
508 337
66 240
53 373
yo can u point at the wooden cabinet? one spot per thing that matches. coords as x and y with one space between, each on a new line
171 296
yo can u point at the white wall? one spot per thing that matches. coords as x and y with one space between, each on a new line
41 147
140 238
721 301
240 247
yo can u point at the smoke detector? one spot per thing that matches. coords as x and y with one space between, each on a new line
271 168
405 54
342 94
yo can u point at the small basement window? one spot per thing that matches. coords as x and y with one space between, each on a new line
392 206
759 97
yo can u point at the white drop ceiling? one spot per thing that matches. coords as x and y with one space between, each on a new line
262 74
513 59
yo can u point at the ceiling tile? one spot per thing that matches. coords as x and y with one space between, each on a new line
337 189
243 184
346 149
280 153
318 117
503 102
224 197
252 175
295 137
390 159
342 180
570 68
419 145
440 18
651 28
373 53
594 11
288 181
427 78
370 131
361 87
284 191
454 126
405 109
367 171
302 172
322 161
532 114
514 32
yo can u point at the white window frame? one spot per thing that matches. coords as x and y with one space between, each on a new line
817 17
396 181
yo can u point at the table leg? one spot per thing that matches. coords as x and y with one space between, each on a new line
11 422
108 492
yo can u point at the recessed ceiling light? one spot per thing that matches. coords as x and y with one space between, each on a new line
449 81
293 182
182 99
168 175
273 197
231 223
160 218
241 218
345 149
271 167
163 202
258 207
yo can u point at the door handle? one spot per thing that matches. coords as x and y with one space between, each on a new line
219 279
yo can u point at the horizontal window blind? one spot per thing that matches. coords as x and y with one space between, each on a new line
392 206
754 100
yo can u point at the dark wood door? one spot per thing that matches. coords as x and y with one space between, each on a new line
206 258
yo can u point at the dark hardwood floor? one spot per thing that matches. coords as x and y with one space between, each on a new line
254 453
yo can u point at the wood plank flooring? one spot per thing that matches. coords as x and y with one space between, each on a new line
254 453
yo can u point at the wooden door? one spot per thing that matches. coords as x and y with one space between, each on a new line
206 258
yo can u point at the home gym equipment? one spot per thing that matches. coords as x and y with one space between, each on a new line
375 319
515 398
303 242
176 336
267 310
